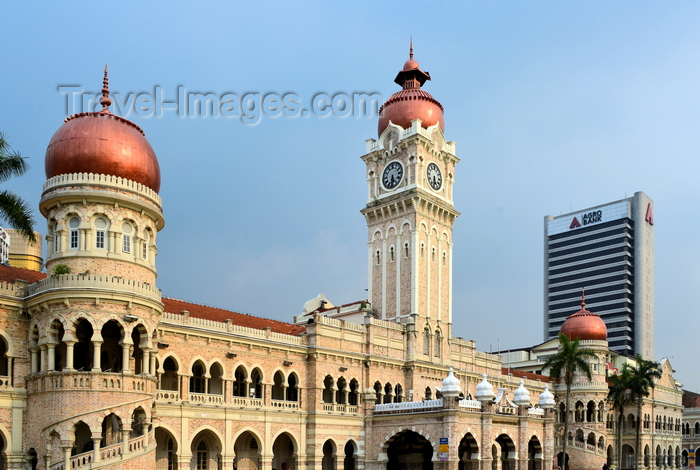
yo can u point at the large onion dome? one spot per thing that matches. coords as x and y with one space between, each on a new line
584 325
102 143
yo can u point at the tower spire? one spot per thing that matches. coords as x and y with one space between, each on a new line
410 53
105 101
583 298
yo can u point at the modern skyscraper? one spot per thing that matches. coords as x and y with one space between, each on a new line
608 250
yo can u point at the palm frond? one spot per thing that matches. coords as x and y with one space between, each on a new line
17 214
11 162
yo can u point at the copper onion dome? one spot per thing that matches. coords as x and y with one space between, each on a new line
102 143
584 325
411 102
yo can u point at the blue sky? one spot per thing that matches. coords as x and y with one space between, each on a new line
554 106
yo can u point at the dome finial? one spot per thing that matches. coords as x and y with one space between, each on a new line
583 298
105 101
410 53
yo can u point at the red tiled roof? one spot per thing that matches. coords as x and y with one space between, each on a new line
691 399
10 275
219 314
525 375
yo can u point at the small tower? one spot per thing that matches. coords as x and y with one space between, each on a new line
93 320
410 212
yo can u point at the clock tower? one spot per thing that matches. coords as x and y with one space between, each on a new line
410 211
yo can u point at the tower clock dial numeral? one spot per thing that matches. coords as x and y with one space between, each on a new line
434 176
393 173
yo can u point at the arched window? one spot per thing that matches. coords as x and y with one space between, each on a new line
144 245
354 392
256 389
197 381
292 391
378 257
398 393
422 250
432 256
428 393
391 253
127 230
405 250
444 258
328 389
426 342
438 344
169 379
239 385
101 226
74 233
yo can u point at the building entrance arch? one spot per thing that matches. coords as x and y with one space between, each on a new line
408 450
247 450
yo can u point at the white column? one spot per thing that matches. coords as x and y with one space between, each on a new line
42 362
35 359
96 356
370 266
438 314
383 259
52 356
415 255
449 295
398 253
126 366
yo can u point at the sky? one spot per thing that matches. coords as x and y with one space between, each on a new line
554 106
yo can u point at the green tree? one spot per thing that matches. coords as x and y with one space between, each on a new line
13 209
621 396
570 360
643 378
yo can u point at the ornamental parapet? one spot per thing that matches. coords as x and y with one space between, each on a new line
87 281
66 381
408 406
228 327
74 180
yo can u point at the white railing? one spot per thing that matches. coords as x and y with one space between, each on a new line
179 319
243 401
111 452
289 405
472 404
82 281
115 182
206 398
408 405
168 395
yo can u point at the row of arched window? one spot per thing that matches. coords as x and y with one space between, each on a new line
406 253
341 391
210 380
687 427
590 412
99 236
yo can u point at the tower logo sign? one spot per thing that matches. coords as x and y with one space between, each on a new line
588 218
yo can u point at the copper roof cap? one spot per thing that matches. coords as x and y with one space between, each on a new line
102 143
584 325
411 102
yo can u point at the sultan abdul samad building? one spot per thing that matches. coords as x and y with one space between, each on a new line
100 371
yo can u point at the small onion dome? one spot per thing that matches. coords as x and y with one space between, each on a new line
411 102
546 398
451 386
584 325
522 395
484 390
102 143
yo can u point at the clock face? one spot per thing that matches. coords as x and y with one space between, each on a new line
434 176
392 175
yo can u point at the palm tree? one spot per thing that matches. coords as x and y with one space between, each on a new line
13 209
621 396
570 360
643 377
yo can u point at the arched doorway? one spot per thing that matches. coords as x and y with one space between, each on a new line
409 450
329 453
283 453
560 461
349 460
468 453
206 451
627 456
506 452
166 450
247 450
83 439
534 454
